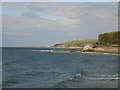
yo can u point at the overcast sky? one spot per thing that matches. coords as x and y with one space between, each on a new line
59 0
48 23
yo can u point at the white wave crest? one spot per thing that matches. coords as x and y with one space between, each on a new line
42 50
99 77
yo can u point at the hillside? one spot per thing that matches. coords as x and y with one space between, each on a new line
76 43
107 43
105 39
109 38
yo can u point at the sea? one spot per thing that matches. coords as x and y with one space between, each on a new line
33 68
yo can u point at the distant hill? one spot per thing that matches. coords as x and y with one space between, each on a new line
76 43
109 38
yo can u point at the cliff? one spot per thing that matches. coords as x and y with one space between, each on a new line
107 43
105 39
109 38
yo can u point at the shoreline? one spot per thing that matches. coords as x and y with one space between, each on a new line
105 53
69 51
97 50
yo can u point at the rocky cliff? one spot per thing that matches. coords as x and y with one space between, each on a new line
109 38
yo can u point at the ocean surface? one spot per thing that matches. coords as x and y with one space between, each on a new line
27 68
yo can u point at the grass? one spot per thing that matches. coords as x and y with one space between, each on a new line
105 39
79 43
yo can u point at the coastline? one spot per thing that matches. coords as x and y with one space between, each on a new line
79 50
110 50
105 53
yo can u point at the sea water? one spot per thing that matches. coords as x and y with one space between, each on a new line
25 68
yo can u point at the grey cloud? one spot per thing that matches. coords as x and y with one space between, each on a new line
75 7
16 22
72 20
68 13
15 4
29 14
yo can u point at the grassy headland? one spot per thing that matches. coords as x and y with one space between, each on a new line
107 43
76 43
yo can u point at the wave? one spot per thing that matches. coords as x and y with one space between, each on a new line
79 80
99 77
102 78
42 50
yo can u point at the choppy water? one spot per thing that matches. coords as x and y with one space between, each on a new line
23 68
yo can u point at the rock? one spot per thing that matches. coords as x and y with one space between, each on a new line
88 47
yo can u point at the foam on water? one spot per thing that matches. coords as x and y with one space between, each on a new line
101 78
43 50
97 77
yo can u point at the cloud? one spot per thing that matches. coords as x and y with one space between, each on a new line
60 0
28 0
52 20
17 33
66 14
73 13
29 14
26 22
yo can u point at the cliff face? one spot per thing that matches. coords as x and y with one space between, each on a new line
110 38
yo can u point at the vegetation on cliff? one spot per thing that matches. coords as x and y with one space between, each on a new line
105 39
107 43
110 38
76 43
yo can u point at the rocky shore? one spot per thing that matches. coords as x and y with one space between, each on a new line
98 50
108 42
86 49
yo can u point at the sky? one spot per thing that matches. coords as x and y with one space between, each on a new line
49 23
59 0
